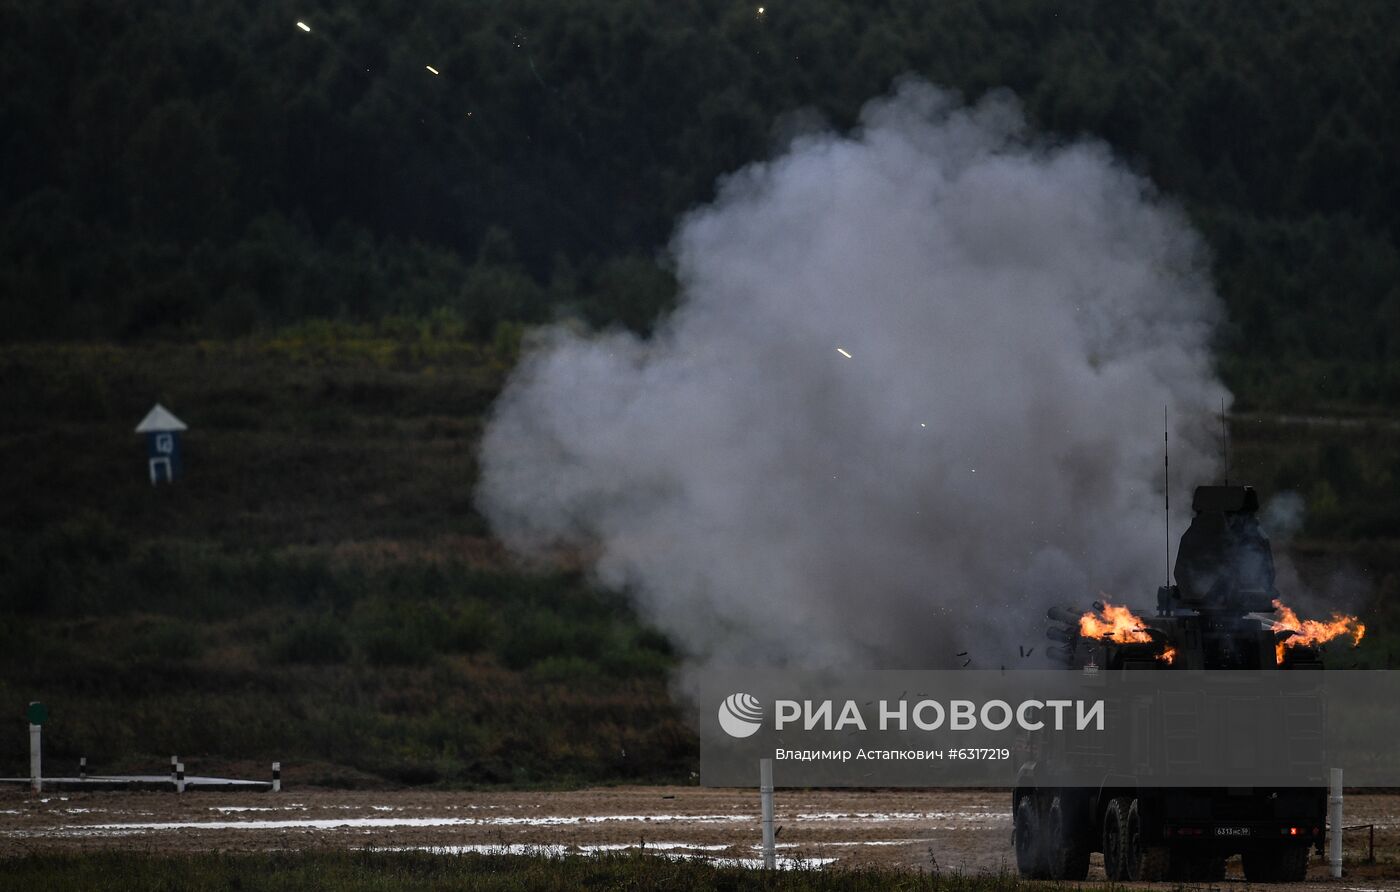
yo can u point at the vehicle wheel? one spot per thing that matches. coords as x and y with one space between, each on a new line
1286 864
1142 863
1209 869
1115 836
1293 864
1066 849
1026 836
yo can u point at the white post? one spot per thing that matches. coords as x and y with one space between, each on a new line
765 792
174 760
82 768
36 774
276 777
1334 820
179 777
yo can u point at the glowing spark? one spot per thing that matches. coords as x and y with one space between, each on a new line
305 27
432 69
760 10
921 424
843 352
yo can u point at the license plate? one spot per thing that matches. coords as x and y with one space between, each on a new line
1231 831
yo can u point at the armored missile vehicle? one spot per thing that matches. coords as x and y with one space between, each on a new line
1209 619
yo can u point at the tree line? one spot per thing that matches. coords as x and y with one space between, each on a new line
173 167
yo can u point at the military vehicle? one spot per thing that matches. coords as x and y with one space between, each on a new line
1209 619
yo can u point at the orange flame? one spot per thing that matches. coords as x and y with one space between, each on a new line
1119 624
1313 631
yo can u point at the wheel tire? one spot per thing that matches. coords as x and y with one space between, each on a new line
1208 869
1258 866
1142 863
1066 849
1156 861
1284 864
1027 839
1293 865
1115 836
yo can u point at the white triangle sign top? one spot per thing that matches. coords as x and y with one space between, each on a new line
159 419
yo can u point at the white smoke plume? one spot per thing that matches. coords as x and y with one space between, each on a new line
1333 583
1283 516
1017 315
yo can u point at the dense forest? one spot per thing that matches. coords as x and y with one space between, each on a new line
170 168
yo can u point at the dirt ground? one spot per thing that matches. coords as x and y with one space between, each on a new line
948 830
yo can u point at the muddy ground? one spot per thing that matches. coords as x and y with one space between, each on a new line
954 830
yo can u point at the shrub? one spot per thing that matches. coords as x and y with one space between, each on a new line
395 633
161 640
535 635
564 668
472 627
319 640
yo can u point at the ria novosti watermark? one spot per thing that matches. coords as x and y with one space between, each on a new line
741 714
1074 728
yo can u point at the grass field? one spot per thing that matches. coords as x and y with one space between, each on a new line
409 871
321 590
893 833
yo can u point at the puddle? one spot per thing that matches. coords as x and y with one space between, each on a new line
655 846
553 849
758 847
876 817
351 823
663 850
757 863
229 808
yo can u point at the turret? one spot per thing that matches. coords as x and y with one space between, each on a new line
1207 620
1224 563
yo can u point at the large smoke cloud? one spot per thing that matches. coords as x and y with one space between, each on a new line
1017 314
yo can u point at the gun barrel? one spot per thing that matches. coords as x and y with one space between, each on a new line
1062 614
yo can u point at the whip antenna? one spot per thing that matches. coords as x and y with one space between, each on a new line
1167 488
1225 441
